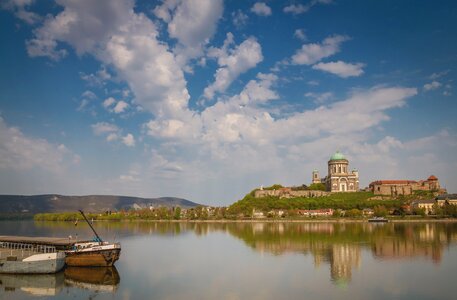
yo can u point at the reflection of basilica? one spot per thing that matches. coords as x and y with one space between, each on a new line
340 245
344 257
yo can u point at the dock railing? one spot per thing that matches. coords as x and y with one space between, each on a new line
23 250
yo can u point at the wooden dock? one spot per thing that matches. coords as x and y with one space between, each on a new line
59 243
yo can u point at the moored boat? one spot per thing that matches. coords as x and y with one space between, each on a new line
378 220
93 254
96 253
21 258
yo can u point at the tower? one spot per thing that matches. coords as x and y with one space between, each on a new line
316 178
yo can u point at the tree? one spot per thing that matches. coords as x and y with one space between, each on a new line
419 211
353 213
317 187
177 214
380 211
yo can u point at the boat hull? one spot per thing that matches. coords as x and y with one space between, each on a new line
36 264
96 258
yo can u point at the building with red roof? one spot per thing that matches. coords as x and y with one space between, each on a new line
405 187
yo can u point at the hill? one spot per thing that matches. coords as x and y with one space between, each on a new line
53 203
343 201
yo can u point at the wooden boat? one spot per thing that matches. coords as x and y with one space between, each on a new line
23 258
378 220
96 253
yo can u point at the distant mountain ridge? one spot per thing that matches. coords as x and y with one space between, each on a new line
91 203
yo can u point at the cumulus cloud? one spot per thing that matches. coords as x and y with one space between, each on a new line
129 140
103 128
232 62
320 98
432 86
341 68
21 152
312 53
111 31
247 127
192 23
98 78
239 19
21 10
120 107
437 75
108 102
261 9
112 133
300 34
297 9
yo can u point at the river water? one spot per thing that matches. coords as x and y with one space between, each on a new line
251 261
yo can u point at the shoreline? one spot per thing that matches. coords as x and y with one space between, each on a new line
451 220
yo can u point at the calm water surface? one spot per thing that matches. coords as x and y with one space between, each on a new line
252 261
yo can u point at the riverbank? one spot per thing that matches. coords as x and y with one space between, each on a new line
313 220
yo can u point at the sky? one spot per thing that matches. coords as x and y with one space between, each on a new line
209 99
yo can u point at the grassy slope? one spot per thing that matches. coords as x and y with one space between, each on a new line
358 200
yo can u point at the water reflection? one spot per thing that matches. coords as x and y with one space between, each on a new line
337 244
103 279
254 260
37 285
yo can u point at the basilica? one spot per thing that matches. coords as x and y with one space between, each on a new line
339 178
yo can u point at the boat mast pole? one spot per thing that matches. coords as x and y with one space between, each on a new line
98 237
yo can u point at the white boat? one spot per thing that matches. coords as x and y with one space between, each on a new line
21 258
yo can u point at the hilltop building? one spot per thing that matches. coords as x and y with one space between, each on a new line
405 187
339 178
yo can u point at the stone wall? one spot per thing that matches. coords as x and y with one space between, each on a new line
289 193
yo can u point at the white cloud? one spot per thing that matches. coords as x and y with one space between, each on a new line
129 140
108 102
341 68
112 137
313 83
313 53
247 128
435 76
120 107
239 18
113 33
89 95
232 62
103 128
297 9
432 86
300 34
86 25
20 9
192 23
20 152
320 98
261 9
98 78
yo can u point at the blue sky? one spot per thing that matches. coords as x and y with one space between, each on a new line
206 99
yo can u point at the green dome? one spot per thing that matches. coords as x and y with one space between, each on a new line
337 156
